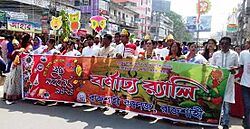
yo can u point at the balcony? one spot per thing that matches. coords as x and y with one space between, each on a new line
122 22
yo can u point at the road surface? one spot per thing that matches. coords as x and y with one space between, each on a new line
25 115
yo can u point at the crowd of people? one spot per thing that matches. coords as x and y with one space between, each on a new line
221 54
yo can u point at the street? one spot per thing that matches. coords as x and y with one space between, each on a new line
25 115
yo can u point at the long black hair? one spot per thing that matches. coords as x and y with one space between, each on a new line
25 41
206 51
179 49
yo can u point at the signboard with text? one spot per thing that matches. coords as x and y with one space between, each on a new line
178 91
23 26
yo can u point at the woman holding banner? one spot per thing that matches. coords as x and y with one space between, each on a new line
148 52
49 49
12 85
193 57
175 52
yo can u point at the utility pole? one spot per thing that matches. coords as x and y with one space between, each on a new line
198 32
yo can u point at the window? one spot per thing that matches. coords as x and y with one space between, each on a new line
133 4
115 12
77 2
123 16
126 16
154 18
141 2
119 15
132 19
153 30
86 2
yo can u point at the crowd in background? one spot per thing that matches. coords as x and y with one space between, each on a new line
120 46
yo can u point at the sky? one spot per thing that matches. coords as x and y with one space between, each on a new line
220 11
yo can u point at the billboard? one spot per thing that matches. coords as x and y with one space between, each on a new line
204 25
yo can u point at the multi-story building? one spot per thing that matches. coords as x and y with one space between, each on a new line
161 5
243 21
122 17
144 9
161 25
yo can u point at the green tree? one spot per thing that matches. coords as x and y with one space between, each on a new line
65 25
179 30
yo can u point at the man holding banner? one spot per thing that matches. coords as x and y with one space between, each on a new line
229 59
125 49
106 50
90 50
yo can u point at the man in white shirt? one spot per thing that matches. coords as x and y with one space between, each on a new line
117 40
71 51
245 82
228 59
97 42
125 49
106 50
90 50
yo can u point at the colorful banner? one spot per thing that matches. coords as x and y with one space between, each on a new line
178 91
23 26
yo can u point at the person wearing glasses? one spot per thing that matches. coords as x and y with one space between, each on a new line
228 59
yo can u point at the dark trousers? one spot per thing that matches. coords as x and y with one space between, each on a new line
2 65
246 102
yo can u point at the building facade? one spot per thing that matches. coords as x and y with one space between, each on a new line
121 17
243 21
144 9
161 26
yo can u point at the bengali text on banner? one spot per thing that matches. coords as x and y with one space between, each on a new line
184 92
